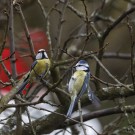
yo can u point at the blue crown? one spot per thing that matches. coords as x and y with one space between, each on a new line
82 62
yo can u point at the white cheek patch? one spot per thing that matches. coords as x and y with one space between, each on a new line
81 68
39 56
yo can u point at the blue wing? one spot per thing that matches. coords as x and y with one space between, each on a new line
25 82
93 98
71 107
33 64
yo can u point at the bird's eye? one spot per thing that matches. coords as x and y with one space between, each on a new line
79 65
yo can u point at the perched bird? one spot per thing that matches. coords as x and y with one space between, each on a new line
78 84
39 69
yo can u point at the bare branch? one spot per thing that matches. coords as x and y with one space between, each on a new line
12 40
101 113
27 33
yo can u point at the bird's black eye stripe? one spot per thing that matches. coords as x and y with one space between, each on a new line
79 65
43 54
82 65
40 51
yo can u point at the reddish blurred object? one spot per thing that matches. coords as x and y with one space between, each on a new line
23 64
21 68
39 39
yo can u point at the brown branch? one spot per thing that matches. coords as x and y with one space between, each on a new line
74 10
107 55
27 33
18 116
103 82
46 18
108 73
81 117
100 113
2 60
60 29
12 40
5 99
87 26
112 55
132 51
7 73
5 35
102 38
54 121
5 84
116 22
28 114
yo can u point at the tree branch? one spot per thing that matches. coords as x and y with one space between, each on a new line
47 124
100 113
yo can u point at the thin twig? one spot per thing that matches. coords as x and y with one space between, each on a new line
109 128
5 35
80 35
116 22
132 52
74 10
107 55
81 117
109 74
102 38
5 84
87 26
60 28
8 73
26 103
46 18
27 33
103 82
32 128
7 57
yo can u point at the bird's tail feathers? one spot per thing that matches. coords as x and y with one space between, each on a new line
23 86
71 107
93 98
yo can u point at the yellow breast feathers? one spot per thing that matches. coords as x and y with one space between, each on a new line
40 69
77 81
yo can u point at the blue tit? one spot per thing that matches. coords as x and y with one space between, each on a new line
78 84
39 69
